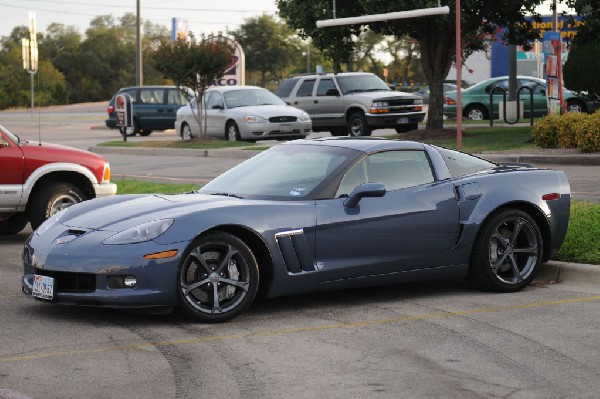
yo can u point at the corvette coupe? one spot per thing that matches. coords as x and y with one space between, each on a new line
304 216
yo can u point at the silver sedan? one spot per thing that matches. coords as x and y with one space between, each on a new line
242 113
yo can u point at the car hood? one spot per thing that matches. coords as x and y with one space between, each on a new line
121 212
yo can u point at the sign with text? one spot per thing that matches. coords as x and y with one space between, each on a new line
235 74
553 71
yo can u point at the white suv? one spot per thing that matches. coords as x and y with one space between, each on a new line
354 103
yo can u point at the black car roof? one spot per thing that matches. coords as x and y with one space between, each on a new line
361 143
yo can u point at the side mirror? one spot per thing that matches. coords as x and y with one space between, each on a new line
543 91
364 190
332 92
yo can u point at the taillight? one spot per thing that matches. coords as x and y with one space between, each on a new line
551 196
450 101
110 109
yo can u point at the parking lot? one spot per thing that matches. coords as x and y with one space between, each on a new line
440 339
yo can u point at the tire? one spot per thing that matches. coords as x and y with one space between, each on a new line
232 133
357 125
13 224
576 106
145 132
476 112
507 253
217 278
407 127
50 199
186 132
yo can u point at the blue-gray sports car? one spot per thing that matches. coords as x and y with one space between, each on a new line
304 216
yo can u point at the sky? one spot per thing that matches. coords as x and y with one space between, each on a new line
203 16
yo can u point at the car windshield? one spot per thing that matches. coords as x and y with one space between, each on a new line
358 83
285 172
10 135
246 98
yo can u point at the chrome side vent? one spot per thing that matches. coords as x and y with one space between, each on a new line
295 251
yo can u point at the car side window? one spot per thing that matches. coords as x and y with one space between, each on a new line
133 94
324 86
151 96
306 88
285 88
175 97
500 83
214 100
394 169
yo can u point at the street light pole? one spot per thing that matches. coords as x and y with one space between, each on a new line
139 73
30 55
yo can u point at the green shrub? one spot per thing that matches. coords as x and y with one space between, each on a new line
568 126
588 135
545 132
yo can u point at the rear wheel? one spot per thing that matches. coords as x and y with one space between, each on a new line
232 133
51 199
186 132
13 224
218 278
358 125
507 253
130 131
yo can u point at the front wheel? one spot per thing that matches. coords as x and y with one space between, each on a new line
232 132
186 132
218 278
13 224
476 113
507 252
50 199
358 125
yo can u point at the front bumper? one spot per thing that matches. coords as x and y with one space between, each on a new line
392 120
257 131
105 189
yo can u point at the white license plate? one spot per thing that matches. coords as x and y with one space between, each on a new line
43 287
285 128
403 120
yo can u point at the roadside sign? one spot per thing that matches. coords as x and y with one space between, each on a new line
124 114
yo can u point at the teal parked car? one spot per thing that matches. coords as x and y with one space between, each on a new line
476 99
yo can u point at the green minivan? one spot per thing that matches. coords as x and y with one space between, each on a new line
154 108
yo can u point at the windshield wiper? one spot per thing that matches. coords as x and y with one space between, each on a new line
228 195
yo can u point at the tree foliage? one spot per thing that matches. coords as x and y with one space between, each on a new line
583 65
435 34
194 64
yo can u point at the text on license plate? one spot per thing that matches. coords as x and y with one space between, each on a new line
403 120
43 287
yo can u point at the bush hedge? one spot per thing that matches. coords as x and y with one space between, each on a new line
572 130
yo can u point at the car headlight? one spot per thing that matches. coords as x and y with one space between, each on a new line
254 119
50 222
304 117
419 102
380 104
140 233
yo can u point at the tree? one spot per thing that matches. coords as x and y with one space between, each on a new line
270 47
581 69
435 34
196 65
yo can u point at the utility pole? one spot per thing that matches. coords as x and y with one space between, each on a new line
139 72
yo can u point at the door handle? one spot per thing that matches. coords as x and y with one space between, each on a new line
316 101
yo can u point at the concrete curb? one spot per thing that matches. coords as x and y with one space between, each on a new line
234 153
575 159
572 273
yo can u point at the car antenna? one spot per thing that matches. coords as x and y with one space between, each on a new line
39 128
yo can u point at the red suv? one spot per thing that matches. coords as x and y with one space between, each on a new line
38 180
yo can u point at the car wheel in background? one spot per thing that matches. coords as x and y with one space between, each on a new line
358 125
407 128
576 106
232 133
476 112
13 224
50 199
145 132
507 252
218 278
186 132
130 131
